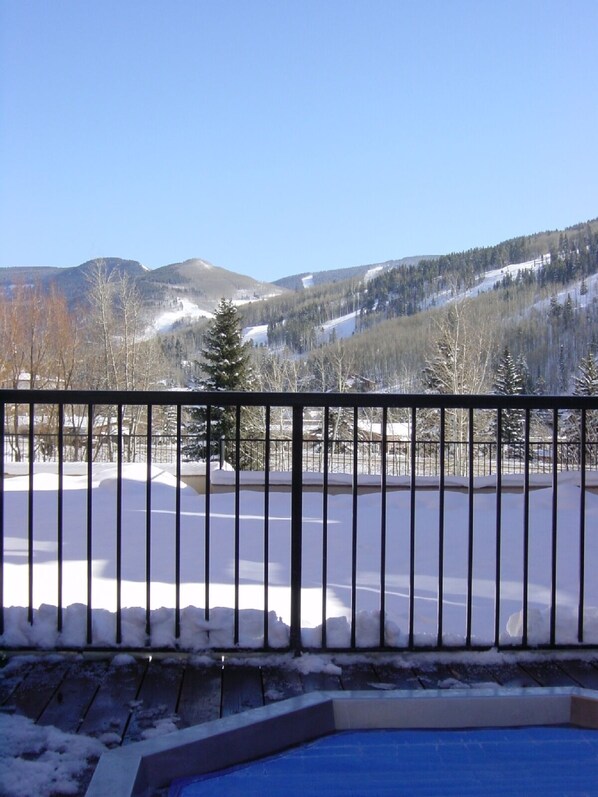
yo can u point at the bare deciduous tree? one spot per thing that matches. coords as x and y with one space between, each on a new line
459 364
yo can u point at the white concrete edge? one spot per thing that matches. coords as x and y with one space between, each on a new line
227 477
142 767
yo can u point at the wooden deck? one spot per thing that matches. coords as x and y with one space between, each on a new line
123 703
124 699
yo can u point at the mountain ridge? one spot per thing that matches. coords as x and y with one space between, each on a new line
182 293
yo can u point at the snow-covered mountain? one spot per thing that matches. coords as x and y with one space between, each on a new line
174 295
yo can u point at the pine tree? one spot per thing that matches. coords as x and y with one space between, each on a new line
508 381
555 307
225 365
568 313
527 385
563 371
585 384
583 288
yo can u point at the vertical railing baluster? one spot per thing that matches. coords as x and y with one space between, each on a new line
89 520
412 488
325 526
207 513
266 525
296 526
553 561
177 536
119 519
30 519
526 498
470 528
354 497
2 467
237 520
383 527
498 554
148 524
582 528
60 518
441 503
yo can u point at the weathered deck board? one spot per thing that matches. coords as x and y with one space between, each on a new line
280 684
436 676
35 690
513 676
320 682
111 708
584 672
241 689
474 674
157 699
71 700
360 677
200 696
12 680
548 674
397 677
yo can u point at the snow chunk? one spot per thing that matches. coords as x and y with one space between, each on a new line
309 663
42 760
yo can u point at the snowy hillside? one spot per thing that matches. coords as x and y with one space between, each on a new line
184 311
346 325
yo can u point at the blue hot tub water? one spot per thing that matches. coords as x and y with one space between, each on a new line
540 761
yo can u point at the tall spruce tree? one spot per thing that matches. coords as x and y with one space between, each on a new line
585 384
509 381
225 365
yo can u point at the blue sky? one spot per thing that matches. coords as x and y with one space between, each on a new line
273 137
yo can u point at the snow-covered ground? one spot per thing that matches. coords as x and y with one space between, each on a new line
342 327
372 272
490 278
257 335
488 281
574 291
42 760
197 633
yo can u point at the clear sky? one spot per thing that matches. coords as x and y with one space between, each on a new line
272 137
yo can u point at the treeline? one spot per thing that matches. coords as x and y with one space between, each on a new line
101 344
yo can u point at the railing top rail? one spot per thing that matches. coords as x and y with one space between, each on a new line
192 398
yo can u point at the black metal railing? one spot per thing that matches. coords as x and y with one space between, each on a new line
397 457
340 454
140 541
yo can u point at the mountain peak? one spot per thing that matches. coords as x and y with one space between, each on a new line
199 263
